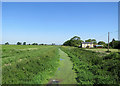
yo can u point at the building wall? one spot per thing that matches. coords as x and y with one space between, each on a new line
85 45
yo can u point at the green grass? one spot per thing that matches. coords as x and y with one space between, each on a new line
28 64
34 64
93 68
103 50
65 74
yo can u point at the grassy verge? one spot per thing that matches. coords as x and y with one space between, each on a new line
92 68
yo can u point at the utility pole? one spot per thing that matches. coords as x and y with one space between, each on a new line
108 41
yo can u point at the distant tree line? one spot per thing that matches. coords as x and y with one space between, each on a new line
76 42
24 43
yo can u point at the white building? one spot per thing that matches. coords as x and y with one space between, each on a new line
87 45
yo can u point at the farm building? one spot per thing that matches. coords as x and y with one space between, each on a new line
87 45
98 46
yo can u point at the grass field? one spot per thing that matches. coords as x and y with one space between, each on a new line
34 64
37 64
103 50
28 64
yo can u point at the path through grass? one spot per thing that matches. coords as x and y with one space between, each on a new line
65 74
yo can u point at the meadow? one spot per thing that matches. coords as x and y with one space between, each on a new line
40 64
28 64
104 50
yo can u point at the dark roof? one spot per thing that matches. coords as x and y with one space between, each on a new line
87 43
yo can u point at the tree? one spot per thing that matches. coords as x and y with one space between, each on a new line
24 43
67 43
117 44
101 43
89 40
53 43
75 41
112 44
75 38
94 41
19 43
35 44
41 44
6 43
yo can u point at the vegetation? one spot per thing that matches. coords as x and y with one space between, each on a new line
19 43
24 43
75 41
101 43
35 44
28 64
91 40
115 44
103 50
6 43
94 68
65 74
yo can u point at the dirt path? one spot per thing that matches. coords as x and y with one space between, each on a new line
64 74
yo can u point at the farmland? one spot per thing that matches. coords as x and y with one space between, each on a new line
33 64
103 50
39 64
28 64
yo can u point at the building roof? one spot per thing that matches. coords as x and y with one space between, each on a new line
87 43
98 45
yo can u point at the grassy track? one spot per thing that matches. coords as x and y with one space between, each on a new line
65 74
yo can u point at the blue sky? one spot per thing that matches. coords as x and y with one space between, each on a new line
56 22
60 0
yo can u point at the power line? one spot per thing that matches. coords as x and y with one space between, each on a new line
114 31
105 35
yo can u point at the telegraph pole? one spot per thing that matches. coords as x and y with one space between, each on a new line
108 41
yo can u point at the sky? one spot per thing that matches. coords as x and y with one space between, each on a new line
57 22
60 0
